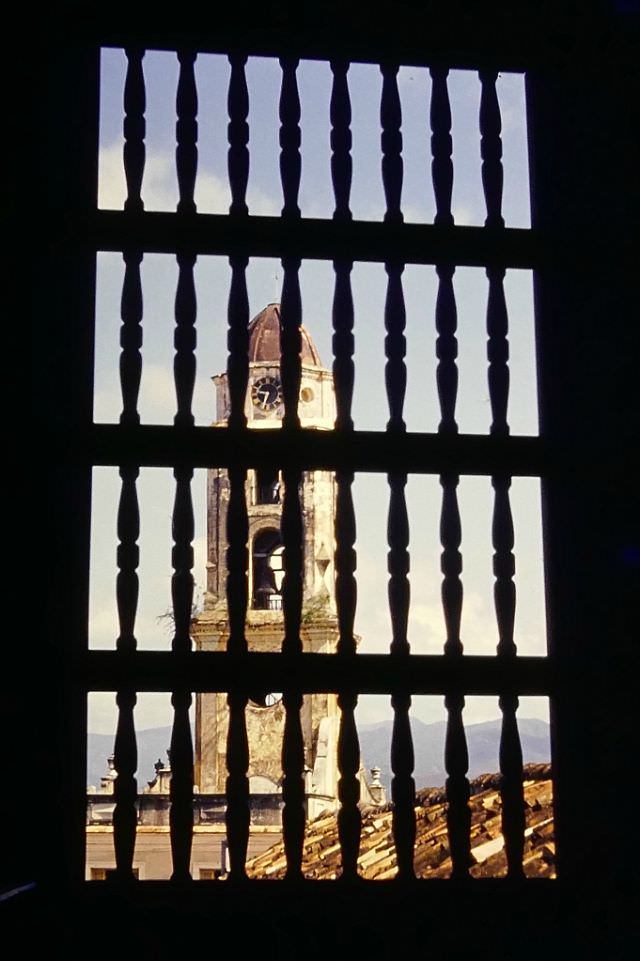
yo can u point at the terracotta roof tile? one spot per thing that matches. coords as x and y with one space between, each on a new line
377 858
264 339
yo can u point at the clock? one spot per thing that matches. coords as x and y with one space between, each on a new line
266 393
268 699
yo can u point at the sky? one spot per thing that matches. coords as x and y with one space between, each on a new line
370 411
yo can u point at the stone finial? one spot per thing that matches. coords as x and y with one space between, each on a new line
308 775
162 780
106 781
376 787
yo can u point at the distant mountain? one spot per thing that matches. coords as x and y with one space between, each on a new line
152 744
483 742
375 747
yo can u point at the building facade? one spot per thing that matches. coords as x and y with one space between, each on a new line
264 622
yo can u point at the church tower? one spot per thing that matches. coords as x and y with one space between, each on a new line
265 622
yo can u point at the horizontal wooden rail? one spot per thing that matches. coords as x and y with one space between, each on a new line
309 449
315 239
361 673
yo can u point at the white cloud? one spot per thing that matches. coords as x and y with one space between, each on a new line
160 186
111 183
103 626
152 710
260 204
426 628
465 216
156 401
157 395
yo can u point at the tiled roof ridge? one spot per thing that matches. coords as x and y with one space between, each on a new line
432 855
427 796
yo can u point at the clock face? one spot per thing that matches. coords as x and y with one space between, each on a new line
266 393
265 700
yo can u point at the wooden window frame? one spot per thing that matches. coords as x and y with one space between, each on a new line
581 454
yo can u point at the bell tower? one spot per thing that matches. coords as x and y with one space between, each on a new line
265 622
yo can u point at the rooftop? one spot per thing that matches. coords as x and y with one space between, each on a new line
264 339
321 858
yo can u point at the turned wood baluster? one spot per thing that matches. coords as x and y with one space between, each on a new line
131 338
348 746
343 344
451 563
290 342
403 785
446 313
341 170
513 814
186 132
446 350
504 590
491 148
125 749
293 815
402 758
238 342
134 129
456 762
512 790
441 146
345 561
395 371
125 789
131 305
290 161
398 563
181 812
456 756
391 142
238 136
238 811
291 308
184 363
341 163
498 351
346 587
348 785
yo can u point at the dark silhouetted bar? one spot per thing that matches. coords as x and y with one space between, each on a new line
186 132
134 129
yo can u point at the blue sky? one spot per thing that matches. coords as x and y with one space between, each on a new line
426 629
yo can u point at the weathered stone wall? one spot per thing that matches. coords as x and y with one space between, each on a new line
265 629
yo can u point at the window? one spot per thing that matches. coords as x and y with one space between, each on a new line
578 283
106 874
271 359
267 486
268 570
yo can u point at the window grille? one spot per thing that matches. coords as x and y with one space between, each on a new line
344 451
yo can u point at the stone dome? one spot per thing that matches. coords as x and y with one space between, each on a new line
264 339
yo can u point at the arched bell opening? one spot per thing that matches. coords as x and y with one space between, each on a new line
268 571
267 485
